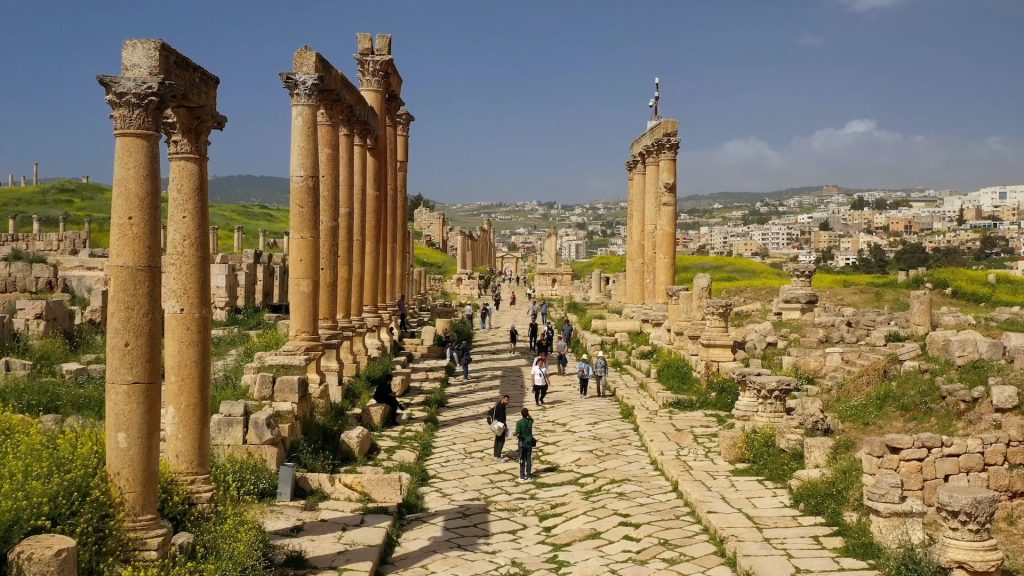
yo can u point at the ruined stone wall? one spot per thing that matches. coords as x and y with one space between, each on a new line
27 277
927 461
64 243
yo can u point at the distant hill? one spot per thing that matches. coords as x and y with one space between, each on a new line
727 198
248 189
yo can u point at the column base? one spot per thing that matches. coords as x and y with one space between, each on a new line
200 489
374 344
149 538
346 353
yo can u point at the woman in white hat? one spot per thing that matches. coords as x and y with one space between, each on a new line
584 372
601 372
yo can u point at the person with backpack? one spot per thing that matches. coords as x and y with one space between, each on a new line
524 432
561 355
532 334
601 373
584 371
498 414
513 337
484 312
469 314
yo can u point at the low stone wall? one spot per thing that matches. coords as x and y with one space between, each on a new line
927 461
65 243
27 277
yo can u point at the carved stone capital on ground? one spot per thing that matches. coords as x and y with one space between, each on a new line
771 392
675 292
966 512
302 88
188 130
801 273
717 312
137 103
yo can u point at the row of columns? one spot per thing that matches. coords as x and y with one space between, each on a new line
24 181
475 249
651 216
239 239
159 91
37 224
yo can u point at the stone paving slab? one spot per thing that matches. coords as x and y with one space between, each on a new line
753 517
597 505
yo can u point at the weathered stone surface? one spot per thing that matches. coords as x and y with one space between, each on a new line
730 444
375 415
1004 397
262 428
263 386
817 451
356 442
227 430
236 408
290 388
44 555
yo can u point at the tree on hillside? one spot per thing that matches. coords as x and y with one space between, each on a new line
858 203
873 261
417 201
880 204
960 220
824 226
911 255
826 257
948 257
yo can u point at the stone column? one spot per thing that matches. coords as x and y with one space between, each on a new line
405 119
10 180
652 185
373 78
595 284
921 311
640 254
133 310
12 221
716 345
328 146
85 179
186 302
701 293
460 251
304 214
966 544
394 206
632 249
24 183
359 218
346 175
35 173
799 297
214 239
62 221
665 269
237 239
36 224
285 241
163 238
263 240
87 225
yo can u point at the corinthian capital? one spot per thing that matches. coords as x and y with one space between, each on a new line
631 164
373 72
405 119
650 154
188 130
303 88
137 103
668 148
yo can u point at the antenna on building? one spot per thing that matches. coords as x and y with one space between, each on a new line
654 103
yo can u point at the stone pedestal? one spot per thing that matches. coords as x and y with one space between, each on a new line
715 343
746 405
771 393
896 522
966 544
799 297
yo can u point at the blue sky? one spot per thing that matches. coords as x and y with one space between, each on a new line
540 99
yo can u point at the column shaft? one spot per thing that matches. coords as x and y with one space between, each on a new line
394 210
328 148
375 252
650 226
666 245
639 255
360 218
346 163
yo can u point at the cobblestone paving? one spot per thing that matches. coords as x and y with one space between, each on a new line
597 505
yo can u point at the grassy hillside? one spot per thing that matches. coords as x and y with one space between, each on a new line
78 201
434 260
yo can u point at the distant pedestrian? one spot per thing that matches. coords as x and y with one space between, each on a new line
549 330
544 312
513 337
497 300
524 432
584 371
532 334
539 372
403 314
567 331
498 414
484 312
512 300
533 310
561 355
542 345
464 360
468 311
601 373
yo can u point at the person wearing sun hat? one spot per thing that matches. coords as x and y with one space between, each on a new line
601 372
584 371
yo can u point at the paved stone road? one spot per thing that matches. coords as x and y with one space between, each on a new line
597 506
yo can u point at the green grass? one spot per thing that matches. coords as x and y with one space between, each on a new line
435 261
973 286
606 264
766 459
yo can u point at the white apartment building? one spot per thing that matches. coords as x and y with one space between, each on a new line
572 249
775 237
987 198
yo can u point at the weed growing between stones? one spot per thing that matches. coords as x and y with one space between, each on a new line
720 393
228 384
766 459
246 319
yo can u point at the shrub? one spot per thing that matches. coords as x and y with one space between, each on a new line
895 336
675 373
462 330
240 480
56 481
766 459
911 561
248 318
38 396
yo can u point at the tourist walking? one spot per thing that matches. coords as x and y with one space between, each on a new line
532 313
524 432
403 314
464 360
484 312
542 346
549 330
567 331
601 373
544 312
512 300
540 380
561 355
498 414
385 394
497 300
513 337
532 334
584 371
468 311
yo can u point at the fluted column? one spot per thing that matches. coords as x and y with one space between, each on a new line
359 217
394 205
665 270
132 398
328 148
346 166
304 214
372 79
636 235
214 239
236 245
651 185
187 312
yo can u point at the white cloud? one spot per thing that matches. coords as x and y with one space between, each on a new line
858 154
863 6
